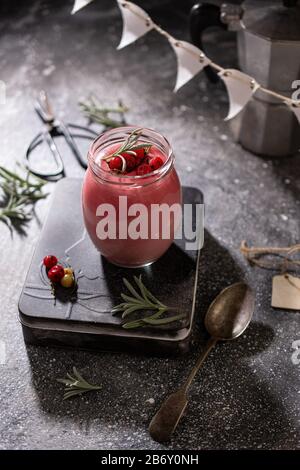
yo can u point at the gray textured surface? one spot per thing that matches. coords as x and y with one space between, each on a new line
247 395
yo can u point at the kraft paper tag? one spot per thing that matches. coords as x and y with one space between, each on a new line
286 292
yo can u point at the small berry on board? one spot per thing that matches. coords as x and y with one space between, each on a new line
155 163
56 273
67 280
115 164
50 261
69 271
143 169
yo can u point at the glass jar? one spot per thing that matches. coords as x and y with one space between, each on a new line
117 208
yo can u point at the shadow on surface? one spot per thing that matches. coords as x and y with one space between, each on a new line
230 406
217 270
287 171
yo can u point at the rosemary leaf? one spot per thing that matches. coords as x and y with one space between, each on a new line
73 393
130 299
143 299
134 308
118 308
19 194
138 281
83 382
76 385
93 109
147 294
132 289
65 381
133 324
163 321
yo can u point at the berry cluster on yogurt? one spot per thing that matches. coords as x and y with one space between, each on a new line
133 157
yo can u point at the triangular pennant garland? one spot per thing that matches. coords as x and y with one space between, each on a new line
78 4
296 109
136 23
240 88
190 61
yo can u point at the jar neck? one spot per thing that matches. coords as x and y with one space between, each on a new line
117 136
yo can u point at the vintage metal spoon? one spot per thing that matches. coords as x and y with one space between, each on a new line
226 319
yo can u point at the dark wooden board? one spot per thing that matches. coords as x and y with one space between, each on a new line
88 310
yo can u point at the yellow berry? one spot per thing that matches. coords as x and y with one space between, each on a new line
68 271
67 280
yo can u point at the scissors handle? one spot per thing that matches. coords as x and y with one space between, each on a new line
47 137
72 144
58 128
55 152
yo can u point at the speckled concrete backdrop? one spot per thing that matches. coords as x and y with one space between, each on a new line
247 395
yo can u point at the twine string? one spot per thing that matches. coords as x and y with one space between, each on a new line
255 253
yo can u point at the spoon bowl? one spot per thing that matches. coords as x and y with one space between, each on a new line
230 313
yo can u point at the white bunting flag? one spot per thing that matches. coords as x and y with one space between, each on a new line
136 23
240 88
295 107
190 61
78 4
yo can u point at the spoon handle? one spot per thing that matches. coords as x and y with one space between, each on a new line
165 421
208 347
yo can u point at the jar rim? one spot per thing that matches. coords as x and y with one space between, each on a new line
117 135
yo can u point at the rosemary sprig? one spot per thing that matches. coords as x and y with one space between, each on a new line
93 109
128 146
18 195
76 385
143 299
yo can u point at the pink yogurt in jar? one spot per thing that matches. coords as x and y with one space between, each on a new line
124 233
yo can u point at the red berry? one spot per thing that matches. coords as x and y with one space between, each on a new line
56 273
140 154
115 164
143 169
156 162
50 261
130 161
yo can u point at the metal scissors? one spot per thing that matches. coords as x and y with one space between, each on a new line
52 128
